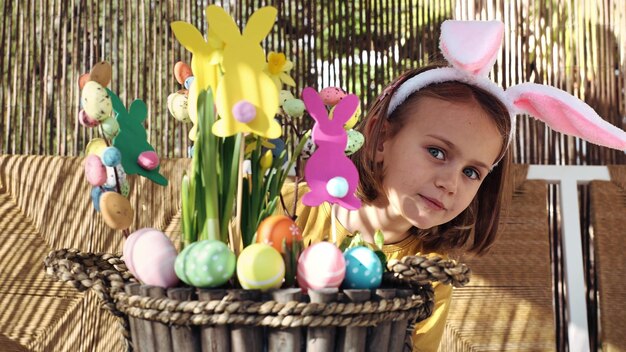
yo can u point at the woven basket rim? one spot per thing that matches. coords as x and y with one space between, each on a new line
108 276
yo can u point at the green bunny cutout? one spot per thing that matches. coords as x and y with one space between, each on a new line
132 139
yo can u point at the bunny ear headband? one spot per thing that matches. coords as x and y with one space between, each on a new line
471 48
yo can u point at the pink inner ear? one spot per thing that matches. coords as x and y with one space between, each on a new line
563 118
471 45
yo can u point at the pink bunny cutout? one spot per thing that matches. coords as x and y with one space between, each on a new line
329 164
471 47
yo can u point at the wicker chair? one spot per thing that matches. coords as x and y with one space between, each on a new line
45 204
608 206
507 306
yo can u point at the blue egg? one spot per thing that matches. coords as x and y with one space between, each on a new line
190 152
188 82
111 156
363 269
337 187
279 146
96 192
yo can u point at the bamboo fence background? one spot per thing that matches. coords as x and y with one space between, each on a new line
576 45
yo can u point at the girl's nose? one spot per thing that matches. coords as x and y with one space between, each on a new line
447 179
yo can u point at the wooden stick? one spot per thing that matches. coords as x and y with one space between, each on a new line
285 339
322 339
352 338
378 338
161 338
184 338
244 338
136 325
398 328
214 338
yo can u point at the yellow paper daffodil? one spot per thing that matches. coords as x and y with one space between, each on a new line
278 67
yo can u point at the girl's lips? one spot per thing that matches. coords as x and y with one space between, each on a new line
433 203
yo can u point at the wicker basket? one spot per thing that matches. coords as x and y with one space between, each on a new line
188 319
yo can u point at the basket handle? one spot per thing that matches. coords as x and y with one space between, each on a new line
421 270
105 273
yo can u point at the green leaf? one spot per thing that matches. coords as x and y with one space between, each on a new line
188 236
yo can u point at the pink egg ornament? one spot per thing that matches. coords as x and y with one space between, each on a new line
332 95
321 265
95 171
148 160
150 255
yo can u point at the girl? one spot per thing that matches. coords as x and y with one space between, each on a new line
436 158
426 181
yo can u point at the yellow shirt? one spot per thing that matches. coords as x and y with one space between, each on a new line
315 223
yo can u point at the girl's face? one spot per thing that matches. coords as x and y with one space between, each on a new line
438 159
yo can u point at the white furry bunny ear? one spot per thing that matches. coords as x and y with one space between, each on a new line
565 113
471 46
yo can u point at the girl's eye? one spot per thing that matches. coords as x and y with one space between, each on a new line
436 153
471 173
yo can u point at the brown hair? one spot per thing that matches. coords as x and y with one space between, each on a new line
482 216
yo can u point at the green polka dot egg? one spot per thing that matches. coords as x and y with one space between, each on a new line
208 263
355 141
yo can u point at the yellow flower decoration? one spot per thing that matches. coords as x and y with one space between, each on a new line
278 67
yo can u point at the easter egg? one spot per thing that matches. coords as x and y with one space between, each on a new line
96 193
177 104
321 265
283 96
96 101
352 121
332 95
363 268
148 160
84 78
337 187
101 73
150 255
125 188
208 263
115 175
110 127
275 229
111 156
294 107
307 149
116 210
261 267
279 146
96 146
85 120
95 171
181 72
355 141
188 82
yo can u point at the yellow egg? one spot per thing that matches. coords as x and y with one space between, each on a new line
96 146
352 121
261 267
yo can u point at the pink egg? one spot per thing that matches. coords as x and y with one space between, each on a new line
148 160
321 265
95 171
332 95
150 255
85 120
